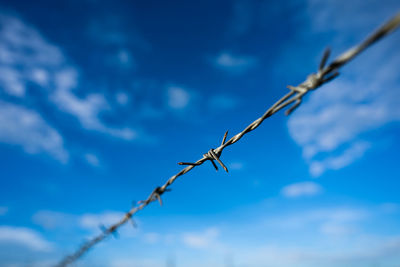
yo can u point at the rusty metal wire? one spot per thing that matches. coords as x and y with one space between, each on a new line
294 97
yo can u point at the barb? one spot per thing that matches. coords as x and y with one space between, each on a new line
294 98
211 155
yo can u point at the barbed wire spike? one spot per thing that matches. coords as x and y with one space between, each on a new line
134 224
324 59
313 81
156 194
112 230
128 215
224 138
211 155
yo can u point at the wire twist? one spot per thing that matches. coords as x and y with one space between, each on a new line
313 81
211 155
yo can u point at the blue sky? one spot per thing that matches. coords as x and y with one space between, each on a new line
99 100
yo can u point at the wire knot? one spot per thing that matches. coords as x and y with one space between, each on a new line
111 230
313 81
155 195
211 155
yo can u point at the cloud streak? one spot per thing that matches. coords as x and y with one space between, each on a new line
26 128
24 236
235 64
301 189
201 240
24 56
28 61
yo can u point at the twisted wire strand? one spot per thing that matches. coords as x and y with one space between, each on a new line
294 97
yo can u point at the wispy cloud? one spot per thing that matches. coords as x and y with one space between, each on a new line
235 64
93 221
26 128
383 251
88 109
178 98
152 238
347 157
88 222
24 56
125 59
122 98
51 220
301 189
24 236
330 15
317 220
148 262
236 165
201 240
92 159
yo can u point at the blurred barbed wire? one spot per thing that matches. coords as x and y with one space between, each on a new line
294 97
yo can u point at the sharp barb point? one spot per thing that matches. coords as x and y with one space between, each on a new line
224 139
324 59
215 165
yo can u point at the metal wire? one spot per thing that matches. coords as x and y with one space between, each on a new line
294 97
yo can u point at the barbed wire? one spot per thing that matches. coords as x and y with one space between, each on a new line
294 97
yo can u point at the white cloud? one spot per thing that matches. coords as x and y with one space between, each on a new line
327 15
87 110
347 157
178 97
93 221
40 76
122 98
147 262
3 210
26 128
384 252
92 159
201 240
124 58
235 166
337 229
320 219
301 189
152 238
24 236
27 58
52 219
23 52
234 63
12 81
